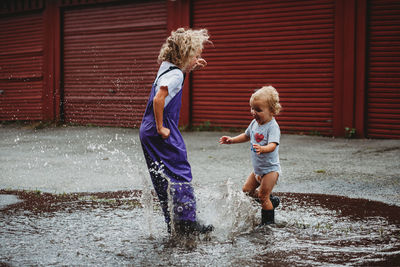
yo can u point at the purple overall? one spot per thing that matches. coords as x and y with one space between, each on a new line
167 161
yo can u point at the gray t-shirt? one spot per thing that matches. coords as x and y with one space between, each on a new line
263 135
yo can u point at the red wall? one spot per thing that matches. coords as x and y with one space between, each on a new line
360 90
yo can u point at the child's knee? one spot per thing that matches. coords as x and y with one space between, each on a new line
246 189
264 194
249 191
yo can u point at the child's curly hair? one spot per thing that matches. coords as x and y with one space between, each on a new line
182 45
270 96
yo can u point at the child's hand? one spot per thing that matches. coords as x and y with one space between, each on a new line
164 132
200 63
225 140
257 148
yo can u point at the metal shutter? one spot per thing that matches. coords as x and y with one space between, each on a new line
110 61
383 97
287 44
21 67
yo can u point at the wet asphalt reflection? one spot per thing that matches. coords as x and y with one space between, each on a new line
122 228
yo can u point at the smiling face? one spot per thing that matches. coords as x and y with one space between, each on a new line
193 60
260 111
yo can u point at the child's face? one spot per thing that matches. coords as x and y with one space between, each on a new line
193 60
260 111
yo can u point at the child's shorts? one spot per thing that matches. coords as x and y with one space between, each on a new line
259 177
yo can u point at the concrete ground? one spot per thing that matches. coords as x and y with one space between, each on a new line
91 159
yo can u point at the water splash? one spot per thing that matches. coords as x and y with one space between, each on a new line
147 201
226 207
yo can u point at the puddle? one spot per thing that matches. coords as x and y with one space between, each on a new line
127 228
6 200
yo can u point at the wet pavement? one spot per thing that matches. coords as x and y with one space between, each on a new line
82 196
6 200
90 159
119 228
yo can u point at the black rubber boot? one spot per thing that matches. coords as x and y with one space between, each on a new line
190 227
267 217
274 200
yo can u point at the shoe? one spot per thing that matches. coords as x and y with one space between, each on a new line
267 217
190 227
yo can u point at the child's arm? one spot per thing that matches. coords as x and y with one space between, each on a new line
241 138
264 149
158 108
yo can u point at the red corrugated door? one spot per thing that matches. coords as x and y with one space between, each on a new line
21 67
110 60
287 44
383 98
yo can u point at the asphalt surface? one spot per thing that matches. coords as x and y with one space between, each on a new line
91 159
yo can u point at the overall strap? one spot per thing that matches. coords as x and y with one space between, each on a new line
184 76
168 70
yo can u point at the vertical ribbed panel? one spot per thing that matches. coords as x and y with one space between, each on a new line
110 61
383 103
287 44
21 67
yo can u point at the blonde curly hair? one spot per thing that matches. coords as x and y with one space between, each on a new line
182 45
270 96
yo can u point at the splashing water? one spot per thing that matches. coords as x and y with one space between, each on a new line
229 210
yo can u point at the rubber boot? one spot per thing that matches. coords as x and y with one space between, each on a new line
192 227
267 217
274 200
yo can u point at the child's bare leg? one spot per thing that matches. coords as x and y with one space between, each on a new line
268 182
251 185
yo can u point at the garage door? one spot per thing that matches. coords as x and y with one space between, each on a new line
110 60
383 98
21 67
287 44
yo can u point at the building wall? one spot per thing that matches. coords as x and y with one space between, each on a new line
109 61
22 66
334 62
383 65
287 44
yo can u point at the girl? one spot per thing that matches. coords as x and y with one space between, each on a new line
264 135
162 143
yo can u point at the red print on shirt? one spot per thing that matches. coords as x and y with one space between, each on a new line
259 137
